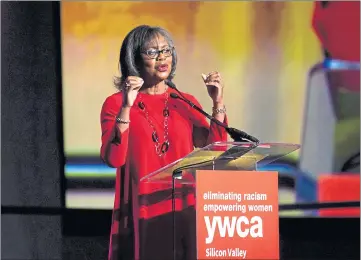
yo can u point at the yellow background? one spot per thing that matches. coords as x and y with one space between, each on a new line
262 49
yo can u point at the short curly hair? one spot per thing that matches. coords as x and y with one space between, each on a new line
135 42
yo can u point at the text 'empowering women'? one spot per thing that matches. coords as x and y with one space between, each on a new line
234 216
236 202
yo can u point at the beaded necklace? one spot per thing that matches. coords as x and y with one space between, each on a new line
160 149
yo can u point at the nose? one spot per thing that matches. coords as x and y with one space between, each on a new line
161 56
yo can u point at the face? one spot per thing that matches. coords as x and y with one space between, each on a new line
157 60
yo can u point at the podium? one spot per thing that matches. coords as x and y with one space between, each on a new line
205 175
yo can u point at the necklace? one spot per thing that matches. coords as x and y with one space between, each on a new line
160 149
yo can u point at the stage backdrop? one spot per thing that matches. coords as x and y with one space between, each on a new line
262 49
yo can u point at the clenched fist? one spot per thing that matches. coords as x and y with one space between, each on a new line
131 87
214 85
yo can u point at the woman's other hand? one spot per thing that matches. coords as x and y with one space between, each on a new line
215 86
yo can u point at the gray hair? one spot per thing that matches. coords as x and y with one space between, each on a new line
135 42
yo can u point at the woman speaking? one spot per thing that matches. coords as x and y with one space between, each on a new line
144 129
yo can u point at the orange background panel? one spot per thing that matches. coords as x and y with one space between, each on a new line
240 182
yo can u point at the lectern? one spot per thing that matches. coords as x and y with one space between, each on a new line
217 179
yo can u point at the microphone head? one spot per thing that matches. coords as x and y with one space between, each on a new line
170 84
174 95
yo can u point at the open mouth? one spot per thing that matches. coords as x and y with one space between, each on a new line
162 68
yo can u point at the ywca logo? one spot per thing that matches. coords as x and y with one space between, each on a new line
229 226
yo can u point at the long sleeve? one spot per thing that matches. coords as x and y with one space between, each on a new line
205 133
114 145
217 133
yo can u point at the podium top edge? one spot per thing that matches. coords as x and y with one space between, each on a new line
259 145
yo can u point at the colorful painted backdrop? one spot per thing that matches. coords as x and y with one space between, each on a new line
262 49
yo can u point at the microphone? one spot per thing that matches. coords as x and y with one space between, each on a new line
236 135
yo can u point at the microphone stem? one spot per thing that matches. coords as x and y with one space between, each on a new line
236 135
209 116
231 131
201 110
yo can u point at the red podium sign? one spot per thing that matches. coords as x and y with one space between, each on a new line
237 215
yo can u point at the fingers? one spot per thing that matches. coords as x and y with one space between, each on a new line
133 83
213 78
213 73
204 77
132 80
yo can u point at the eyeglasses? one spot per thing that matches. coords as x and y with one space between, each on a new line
154 53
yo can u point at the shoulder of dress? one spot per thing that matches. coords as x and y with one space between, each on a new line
115 99
188 96
191 98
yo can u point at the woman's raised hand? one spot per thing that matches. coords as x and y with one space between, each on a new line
131 87
214 86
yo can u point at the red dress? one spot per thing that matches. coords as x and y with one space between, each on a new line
140 223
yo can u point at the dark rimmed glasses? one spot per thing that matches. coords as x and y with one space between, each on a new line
154 53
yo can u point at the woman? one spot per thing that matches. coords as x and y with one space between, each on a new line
143 129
